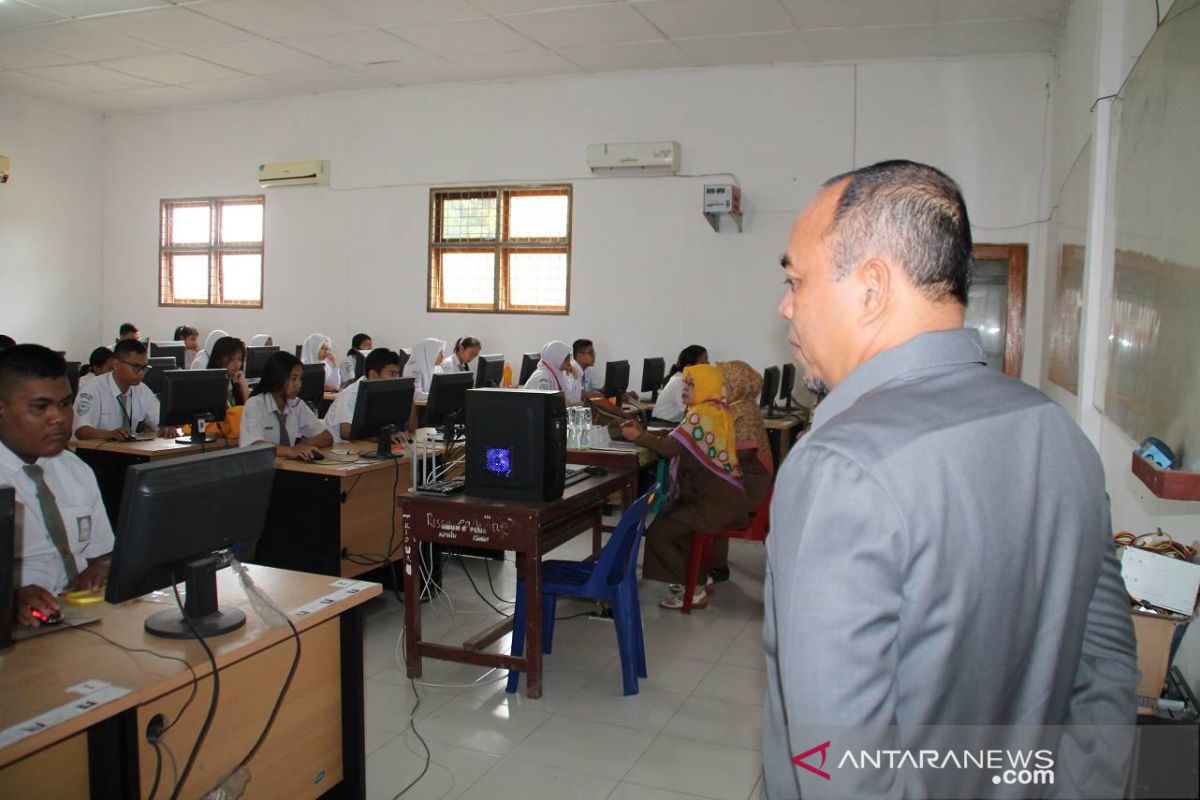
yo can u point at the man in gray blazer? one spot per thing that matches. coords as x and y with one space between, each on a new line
940 551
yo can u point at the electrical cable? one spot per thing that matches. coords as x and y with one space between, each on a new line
467 572
212 705
412 723
157 770
488 568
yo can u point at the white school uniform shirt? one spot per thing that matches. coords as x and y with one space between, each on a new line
259 423
670 400
342 410
78 498
86 381
98 407
588 379
451 365
543 378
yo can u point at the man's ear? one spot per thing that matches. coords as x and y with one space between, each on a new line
875 282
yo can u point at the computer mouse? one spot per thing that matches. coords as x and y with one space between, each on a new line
53 618
317 455
595 471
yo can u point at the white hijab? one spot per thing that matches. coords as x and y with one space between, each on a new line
200 360
259 340
211 339
310 352
422 365
553 356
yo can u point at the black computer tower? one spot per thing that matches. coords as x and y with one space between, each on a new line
516 444
7 543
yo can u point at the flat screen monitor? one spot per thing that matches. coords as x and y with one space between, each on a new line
447 397
787 384
770 387
653 372
73 375
256 359
312 384
156 368
404 356
616 379
191 393
359 357
380 404
173 350
8 543
226 496
489 372
529 363
299 350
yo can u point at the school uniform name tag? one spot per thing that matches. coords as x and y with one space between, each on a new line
85 529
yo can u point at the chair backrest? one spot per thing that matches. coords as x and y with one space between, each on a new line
615 558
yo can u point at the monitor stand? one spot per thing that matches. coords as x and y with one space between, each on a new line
200 606
199 432
383 447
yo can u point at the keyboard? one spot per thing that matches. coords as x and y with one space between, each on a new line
575 475
449 486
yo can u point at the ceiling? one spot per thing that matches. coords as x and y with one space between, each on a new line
145 55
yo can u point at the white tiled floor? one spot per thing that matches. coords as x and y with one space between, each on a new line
692 731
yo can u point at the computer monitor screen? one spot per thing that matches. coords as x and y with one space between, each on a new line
188 393
489 372
447 397
616 379
387 401
256 359
73 376
226 496
312 384
529 363
359 357
156 368
653 372
7 555
770 387
787 384
173 350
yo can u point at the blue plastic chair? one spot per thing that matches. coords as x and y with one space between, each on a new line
612 577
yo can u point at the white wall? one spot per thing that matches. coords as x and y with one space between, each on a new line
648 274
50 225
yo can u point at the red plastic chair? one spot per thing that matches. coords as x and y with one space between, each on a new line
701 559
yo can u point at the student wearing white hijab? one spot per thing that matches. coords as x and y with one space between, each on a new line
201 359
318 349
556 372
261 340
426 357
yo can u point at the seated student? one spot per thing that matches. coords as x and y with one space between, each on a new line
318 349
128 331
191 343
361 344
6 342
463 358
423 364
556 372
381 363
706 493
64 536
118 405
584 354
229 354
100 363
262 340
200 360
670 407
275 414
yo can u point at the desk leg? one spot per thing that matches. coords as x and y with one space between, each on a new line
533 623
412 605
354 746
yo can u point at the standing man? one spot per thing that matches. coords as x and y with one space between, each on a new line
941 552
63 535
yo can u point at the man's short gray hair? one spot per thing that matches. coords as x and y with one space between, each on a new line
911 213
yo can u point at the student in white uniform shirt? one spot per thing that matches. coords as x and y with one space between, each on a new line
63 534
556 372
200 360
118 405
100 363
466 350
381 363
276 415
670 406
426 357
318 349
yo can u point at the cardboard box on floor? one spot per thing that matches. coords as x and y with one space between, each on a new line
1154 635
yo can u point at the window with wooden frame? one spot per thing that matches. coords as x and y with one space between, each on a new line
211 252
500 249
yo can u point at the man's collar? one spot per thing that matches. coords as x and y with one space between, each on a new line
924 351
111 380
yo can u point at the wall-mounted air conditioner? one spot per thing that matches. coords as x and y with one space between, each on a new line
634 158
294 173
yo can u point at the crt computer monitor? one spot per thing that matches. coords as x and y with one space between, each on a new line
616 379
173 350
226 496
529 363
653 372
191 393
312 385
257 357
770 388
489 372
447 397
381 403
156 369
787 384
8 543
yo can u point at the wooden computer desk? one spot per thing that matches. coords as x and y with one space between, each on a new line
109 460
782 432
102 752
530 529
